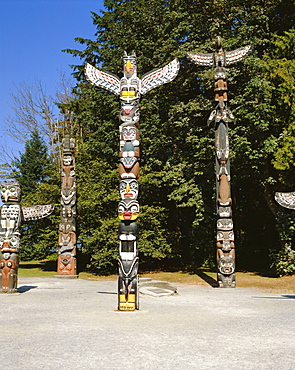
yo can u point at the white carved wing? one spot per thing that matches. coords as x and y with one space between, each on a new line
99 78
237 55
159 76
36 212
201 59
286 200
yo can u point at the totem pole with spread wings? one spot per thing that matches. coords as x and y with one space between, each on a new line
221 115
129 88
12 213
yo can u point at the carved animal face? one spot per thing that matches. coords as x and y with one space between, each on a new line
128 210
10 191
219 72
65 258
225 224
66 228
9 243
128 162
128 189
225 235
129 63
130 112
226 265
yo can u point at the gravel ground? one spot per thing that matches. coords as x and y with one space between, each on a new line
73 324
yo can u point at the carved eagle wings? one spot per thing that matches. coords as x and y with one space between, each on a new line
149 81
230 57
36 212
106 80
159 76
286 200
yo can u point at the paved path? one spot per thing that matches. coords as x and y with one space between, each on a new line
72 324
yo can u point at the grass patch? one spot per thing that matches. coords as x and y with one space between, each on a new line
43 268
285 284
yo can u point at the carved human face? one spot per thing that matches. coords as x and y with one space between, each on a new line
128 210
129 189
67 160
10 192
129 133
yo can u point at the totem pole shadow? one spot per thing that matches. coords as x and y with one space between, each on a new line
26 288
208 279
107 293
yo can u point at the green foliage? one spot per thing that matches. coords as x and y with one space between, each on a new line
30 168
177 148
40 182
281 68
284 261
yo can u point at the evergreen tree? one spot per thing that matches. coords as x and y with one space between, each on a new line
31 168
177 167
40 183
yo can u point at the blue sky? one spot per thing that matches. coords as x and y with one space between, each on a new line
32 35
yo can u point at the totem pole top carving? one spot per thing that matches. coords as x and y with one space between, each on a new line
219 58
130 87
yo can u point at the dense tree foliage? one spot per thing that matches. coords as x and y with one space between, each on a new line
40 182
31 167
177 148
177 183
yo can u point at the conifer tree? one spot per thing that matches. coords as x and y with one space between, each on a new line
39 181
31 168
177 169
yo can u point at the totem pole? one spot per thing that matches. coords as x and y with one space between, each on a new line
130 88
12 213
221 115
67 263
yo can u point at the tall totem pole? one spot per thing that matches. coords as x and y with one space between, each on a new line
67 263
129 88
12 213
221 115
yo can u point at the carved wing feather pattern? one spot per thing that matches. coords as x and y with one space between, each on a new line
102 79
36 212
159 76
202 59
237 55
286 200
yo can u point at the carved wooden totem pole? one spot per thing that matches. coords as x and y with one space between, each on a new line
67 263
221 115
129 88
12 213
